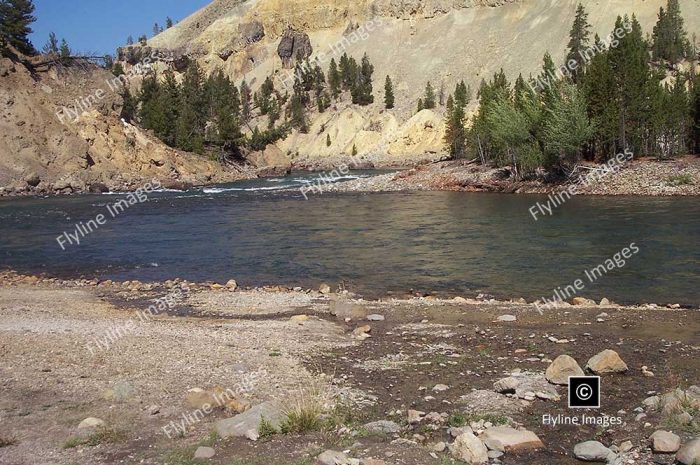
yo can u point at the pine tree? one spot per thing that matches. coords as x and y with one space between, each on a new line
429 99
695 114
51 46
600 90
420 106
65 52
130 40
361 87
462 94
578 43
328 140
16 16
354 150
190 122
388 94
441 94
334 79
168 22
129 106
156 29
246 100
669 39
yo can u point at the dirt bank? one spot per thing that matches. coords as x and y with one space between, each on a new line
422 354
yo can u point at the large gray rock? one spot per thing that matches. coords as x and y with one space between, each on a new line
251 32
469 448
332 457
665 442
690 453
608 361
527 387
294 46
505 439
592 451
204 453
383 427
247 424
561 369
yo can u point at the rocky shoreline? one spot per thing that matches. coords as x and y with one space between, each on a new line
182 373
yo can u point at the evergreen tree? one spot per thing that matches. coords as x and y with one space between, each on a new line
328 140
388 94
297 106
578 43
669 39
361 88
51 46
156 29
191 121
455 134
567 127
462 94
695 114
600 90
429 99
168 22
129 106
420 106
246 102
65 52
673 119
16 16
354 150
118 69
130 40
334 79
441 94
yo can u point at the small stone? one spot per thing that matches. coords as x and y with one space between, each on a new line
439 447
91 422
204 453
153 410
507 318
440 388
664 442
324 289
299 318
332 457
592 451
415 416
561 369
582 301
375 317
626 446
604 302
459 300
231 285
607 361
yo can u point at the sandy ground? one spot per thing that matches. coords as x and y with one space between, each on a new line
53 373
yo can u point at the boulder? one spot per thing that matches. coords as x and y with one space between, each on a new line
415 416
592 451
32 179
470 449
606 362
248 424
507 318
506 439
582 301
665 442
506 385
200 399
561 369
299 318
690 453
294 46
251 32
324 289
332 457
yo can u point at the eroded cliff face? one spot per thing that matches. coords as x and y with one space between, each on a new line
60 132
412 41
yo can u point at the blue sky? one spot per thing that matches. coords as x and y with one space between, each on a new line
103 25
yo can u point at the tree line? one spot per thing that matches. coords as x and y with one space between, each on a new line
617 98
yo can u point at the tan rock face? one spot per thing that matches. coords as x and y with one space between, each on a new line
561 368
606 362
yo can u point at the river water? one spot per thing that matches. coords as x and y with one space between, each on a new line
443 242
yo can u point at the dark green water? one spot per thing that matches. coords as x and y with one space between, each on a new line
450 243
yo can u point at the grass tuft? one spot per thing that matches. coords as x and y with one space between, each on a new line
680 180
6 442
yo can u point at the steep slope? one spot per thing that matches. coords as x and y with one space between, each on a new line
442 41
60 132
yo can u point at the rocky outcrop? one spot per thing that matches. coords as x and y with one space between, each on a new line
294 46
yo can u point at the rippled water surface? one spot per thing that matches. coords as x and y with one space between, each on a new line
452 243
